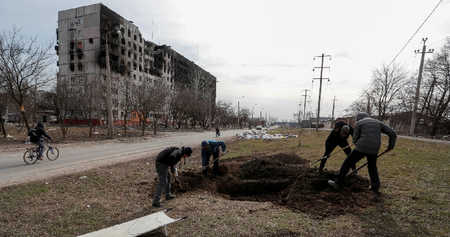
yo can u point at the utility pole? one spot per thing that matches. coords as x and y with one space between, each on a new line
419 79
332 113
304 105
320 87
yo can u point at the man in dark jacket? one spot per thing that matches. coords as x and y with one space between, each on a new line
38 139
367 139
168 157
212 147
338 137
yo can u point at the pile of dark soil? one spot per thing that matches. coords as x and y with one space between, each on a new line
286 180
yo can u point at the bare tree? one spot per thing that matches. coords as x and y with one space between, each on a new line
436 87
127 100
23 66
386 84
3 109
142 105
225 112
159 92
88 98
362 104
63 105
244 116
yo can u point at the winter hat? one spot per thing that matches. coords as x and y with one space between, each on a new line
204 143
188 151
345 129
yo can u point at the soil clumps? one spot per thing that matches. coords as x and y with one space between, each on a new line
285 180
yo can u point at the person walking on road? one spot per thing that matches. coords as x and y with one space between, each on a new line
212 147
217 131
38 139
338 137
367 139
166 159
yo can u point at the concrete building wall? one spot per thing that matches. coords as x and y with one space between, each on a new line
82 34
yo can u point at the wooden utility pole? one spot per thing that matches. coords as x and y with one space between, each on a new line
304 105
419 79
320 87
332 113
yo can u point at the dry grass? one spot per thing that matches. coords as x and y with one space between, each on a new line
415 184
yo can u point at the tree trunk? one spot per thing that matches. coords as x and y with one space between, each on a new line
25 120
3 127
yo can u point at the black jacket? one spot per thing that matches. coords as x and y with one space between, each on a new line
40 132
170 156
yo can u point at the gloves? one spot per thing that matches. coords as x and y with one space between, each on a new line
224 152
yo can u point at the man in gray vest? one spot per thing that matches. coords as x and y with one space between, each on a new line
367 139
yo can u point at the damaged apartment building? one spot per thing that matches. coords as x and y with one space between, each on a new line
82 36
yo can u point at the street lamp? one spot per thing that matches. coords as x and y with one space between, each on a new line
108 86
252 112
260 116
238 110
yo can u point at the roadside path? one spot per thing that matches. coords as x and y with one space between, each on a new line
79 157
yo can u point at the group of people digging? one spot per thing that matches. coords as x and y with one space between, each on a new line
167 159
366 137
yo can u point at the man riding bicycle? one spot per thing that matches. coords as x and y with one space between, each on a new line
38 139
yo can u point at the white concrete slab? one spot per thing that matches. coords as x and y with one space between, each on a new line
136 227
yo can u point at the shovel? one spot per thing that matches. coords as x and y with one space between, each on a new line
326 157
365 164
181 190
206 166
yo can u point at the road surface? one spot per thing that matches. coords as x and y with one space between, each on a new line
74 158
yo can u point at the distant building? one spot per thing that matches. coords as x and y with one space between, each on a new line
81 38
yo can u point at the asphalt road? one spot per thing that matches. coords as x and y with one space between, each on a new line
13 170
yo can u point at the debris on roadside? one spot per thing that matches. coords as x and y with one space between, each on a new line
252 134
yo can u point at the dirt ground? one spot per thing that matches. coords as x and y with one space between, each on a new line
285 180
282 179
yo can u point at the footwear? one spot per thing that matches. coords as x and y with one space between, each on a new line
318 171
40 158
333 184
355 173
170 197
157 204
373 190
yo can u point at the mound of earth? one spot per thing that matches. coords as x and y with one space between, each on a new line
286 180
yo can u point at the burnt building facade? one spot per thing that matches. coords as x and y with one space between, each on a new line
85 35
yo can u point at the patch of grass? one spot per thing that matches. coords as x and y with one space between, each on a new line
415 181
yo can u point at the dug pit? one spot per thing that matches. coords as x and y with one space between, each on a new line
285 180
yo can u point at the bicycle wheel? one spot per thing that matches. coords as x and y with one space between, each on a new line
30 156
52 153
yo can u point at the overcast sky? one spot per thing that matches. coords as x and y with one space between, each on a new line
264 50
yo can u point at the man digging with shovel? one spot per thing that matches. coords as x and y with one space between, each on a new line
338 137
168 157
212 147
367 139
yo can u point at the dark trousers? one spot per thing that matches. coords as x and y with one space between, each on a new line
330 144
165 181
41 146
205 162
351 160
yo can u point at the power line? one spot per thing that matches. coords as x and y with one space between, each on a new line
415 33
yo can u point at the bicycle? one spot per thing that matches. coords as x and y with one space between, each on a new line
31 155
